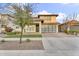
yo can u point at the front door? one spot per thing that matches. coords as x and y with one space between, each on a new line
37 27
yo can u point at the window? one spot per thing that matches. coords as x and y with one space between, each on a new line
42 21
30 28
17 27
49 17
45 17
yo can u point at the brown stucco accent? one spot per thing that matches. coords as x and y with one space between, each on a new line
47 15
50 23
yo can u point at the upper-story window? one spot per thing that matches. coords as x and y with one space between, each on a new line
45 17
42 21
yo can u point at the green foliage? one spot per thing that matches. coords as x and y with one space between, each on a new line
22 16
28 40
72 32
17 36
67 32
12 33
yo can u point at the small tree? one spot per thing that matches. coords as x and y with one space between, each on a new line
22 16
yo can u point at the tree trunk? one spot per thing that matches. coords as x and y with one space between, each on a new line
21 35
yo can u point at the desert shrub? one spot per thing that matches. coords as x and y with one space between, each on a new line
8 29
73 32
77 31
28 40
67 32
18 32
3 40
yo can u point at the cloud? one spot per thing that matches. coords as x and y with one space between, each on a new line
41 12
65 3
76 4
77 18
61 17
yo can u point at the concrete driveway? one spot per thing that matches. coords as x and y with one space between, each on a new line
64 46
61 44
58 45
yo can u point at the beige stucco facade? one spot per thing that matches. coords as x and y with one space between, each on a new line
32 28
50 19
3 19
46 23
53 19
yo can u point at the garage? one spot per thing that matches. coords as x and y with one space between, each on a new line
48 28
74 27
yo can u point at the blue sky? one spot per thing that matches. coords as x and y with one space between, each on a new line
53 7
62 9
3 6
59 7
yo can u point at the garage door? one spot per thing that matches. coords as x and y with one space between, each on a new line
75 27
48 28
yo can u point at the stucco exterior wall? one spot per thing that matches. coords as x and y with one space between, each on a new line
30 28
48 24
48 19
53 19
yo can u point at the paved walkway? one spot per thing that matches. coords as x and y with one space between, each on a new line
56 35
54 46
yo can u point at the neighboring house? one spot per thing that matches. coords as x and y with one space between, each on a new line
70 25
45 23
3 21
6 20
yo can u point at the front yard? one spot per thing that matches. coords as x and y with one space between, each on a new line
17 35
14 45
24 36
10 41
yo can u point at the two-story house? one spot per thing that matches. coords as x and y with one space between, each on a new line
43 23
49 23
